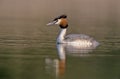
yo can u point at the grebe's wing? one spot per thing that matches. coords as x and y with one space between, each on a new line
81 37
72 37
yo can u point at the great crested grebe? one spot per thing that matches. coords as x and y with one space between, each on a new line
77 39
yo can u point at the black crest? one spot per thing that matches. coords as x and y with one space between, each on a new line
59 17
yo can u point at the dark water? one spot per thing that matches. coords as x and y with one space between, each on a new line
28 47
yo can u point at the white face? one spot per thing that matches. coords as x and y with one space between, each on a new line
55 22
58 22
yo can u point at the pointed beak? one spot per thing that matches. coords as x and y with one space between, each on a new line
51 23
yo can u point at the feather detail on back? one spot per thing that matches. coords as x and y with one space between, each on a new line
72 37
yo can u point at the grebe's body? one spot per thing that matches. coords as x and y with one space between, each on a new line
76 39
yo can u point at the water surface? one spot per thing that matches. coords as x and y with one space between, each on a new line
28 47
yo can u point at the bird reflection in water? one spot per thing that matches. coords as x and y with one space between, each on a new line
58 66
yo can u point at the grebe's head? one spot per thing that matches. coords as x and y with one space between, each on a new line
61 21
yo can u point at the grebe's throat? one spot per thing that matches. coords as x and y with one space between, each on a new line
61 36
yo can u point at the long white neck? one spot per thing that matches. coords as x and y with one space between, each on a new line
60 38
